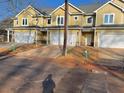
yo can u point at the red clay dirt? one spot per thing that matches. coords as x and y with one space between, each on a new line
22 48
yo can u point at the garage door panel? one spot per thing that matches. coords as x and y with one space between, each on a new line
24 37
57 38
112 40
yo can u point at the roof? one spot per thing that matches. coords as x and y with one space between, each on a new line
7 23
46 11
90 8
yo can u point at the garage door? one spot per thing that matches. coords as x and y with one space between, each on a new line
24 37
111 40
57 38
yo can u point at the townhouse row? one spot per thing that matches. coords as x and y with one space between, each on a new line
99 25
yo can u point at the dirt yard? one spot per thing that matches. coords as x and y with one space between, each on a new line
25 75
101 73
97 54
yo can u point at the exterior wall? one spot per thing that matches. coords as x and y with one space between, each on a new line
72 9
118 15
30 15
73 12
85 21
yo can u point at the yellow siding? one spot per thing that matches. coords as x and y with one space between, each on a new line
71 21
118 18
72 9
85 21
29 14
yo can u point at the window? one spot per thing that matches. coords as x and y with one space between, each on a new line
108 18
24 22
75 18
90 20
60 20
49 20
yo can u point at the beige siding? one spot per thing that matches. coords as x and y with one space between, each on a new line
118 18
72 13
29 14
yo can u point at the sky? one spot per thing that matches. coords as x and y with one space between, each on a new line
9 9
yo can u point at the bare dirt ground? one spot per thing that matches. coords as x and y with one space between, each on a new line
11 49
25 74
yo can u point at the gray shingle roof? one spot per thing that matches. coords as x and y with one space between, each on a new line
7 23
91 7
46 11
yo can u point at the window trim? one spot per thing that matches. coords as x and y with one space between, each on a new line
24 24
60 21
109 18
87 20
77 18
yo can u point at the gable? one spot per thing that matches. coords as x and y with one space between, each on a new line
29 11
109 8
112 4
72 9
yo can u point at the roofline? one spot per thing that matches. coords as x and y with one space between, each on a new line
63 5
109 2
118 6
76 8
102 6
26 9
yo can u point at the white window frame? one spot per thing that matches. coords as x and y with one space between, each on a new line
24 24
109 18
76 19
88 18
50 19
60 21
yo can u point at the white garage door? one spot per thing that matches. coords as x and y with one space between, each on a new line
21 37
111 40
57 38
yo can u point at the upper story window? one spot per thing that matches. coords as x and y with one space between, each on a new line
60 20
24 22
108 18
90 20
49 21
75 18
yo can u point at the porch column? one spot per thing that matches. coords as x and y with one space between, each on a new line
95 38
8 36
13 37
80 38
47 36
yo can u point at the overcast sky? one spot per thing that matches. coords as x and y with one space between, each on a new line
6 9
